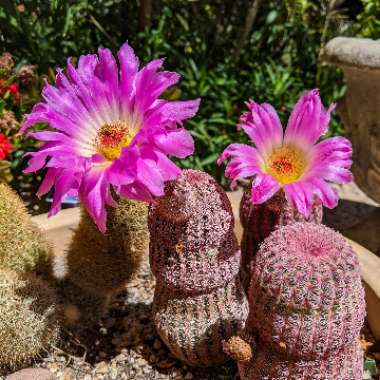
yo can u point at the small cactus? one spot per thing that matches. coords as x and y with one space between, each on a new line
22 246
195 258
28 318
343 365
98 265
306 307
259 220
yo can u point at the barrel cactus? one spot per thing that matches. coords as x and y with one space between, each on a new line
104 263
195 258
306 307
28 318
98 265
23 248
259 220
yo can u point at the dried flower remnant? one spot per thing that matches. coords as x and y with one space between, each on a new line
26 75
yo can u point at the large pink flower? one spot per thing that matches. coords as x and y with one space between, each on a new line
110 131
292 161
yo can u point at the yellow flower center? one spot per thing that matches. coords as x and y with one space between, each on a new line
112 138
286 164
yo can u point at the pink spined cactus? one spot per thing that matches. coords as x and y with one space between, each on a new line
195 257
259 220
306 306
343 365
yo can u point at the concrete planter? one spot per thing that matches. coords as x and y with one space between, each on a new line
59 230
360 109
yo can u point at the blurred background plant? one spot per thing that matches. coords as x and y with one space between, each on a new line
20 87
227 51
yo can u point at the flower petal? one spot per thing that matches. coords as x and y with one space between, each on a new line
300 194
262 126
263 187
178 143
150 176
129 65
246 162
331 160
325 193
94 193
308 120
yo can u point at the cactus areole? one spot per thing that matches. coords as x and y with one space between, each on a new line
307 307
195 258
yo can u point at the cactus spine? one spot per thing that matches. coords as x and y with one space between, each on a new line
28 304
28 318
97 266
306 307
22 246
195 258
259 220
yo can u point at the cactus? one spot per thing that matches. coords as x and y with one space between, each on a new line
28 318
22 246
306 307
195 258
259 220
97 266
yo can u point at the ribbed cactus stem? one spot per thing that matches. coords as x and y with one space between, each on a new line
195 257
259 220
306 307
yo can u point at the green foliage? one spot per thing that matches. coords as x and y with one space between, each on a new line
369 19
280 58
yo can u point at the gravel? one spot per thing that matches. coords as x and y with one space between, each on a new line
125 345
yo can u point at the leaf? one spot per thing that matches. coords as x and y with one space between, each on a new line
370 366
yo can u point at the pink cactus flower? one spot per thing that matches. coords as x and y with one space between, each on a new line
109 131
292 161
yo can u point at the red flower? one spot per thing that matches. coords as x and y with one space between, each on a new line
13 90
5 146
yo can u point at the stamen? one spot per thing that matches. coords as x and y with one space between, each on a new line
112 138
286 164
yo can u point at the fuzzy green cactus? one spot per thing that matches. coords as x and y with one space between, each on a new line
98 265
22 246
28 318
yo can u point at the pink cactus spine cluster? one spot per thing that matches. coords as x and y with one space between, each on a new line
259 220
306 306
195 257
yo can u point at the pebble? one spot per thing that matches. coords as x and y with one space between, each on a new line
125 345
32 374
102 367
